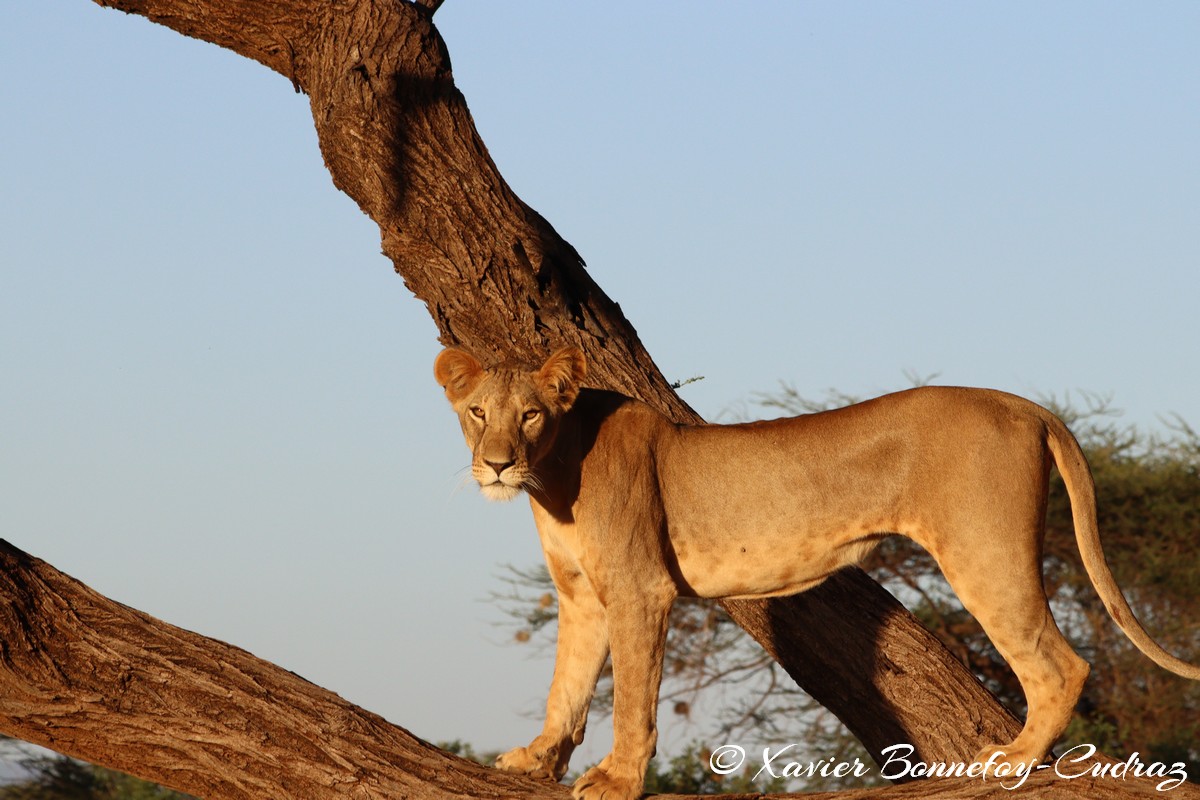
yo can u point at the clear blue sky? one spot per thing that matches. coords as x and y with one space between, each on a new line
217 403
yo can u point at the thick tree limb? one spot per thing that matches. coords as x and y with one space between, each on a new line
398 138
92 678
939 708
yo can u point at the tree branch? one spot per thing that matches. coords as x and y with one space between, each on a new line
270 32
916 690
430 5
398 138
94 679
97 680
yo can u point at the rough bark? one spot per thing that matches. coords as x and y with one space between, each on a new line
903 686
398 138
87 676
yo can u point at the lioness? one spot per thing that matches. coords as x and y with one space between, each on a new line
634 510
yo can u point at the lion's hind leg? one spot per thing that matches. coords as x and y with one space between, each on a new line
1002 588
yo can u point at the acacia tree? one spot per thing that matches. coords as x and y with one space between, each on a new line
93 679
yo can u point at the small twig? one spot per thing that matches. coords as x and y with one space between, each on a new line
430 5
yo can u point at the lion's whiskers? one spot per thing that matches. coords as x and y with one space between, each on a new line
532 481
464 477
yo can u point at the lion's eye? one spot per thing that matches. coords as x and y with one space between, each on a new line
477 412
532 414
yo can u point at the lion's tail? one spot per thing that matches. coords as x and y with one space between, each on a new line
1082 490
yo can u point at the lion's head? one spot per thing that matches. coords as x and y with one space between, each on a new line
509 415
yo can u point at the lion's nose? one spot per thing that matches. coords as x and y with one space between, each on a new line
498 466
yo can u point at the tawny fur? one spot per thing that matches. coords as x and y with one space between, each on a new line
634 510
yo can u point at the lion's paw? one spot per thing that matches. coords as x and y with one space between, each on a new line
1004 760
598 784
523 761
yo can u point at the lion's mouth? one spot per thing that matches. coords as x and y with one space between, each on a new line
499 491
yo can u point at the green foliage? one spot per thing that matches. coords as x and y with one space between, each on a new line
465 750
62 778
690 773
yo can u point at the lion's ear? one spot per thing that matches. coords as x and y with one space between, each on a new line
561 375
458 372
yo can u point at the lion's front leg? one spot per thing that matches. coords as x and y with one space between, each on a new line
638 631
581 650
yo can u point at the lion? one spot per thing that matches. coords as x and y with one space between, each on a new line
634 510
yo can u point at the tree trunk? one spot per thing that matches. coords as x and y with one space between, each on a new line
861 654
397 137
92 678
